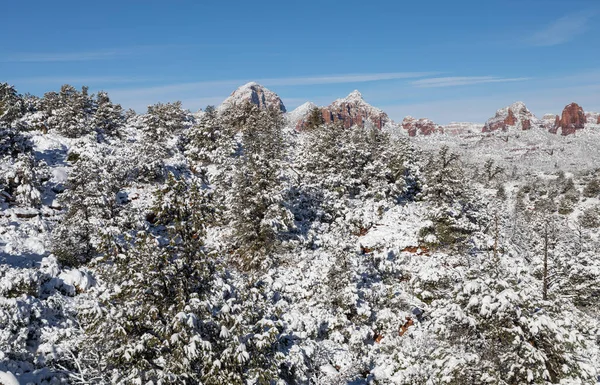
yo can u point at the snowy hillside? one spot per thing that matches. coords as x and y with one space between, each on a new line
229 247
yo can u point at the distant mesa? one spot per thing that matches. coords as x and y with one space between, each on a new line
592 117
421 126
514 117
253 93
349 111
572 119
549 121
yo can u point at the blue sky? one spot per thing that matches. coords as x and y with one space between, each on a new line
446 60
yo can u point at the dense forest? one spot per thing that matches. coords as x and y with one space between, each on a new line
227 247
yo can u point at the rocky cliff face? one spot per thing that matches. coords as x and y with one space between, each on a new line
253 93
572 119
514 117
421 126
354 111
297 117
349 111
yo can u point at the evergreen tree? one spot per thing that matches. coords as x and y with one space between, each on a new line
90 199
12 106
209 141
108 117
258 213
592 188
314 119
455 213
171 317
70 111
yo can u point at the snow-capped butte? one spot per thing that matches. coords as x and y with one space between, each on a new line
514 117
352 111
300 113
421 126
253 93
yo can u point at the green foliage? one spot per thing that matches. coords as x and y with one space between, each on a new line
592 188
172 317
314 119
12 106
209 140
258 213
455 213
69 111
90 198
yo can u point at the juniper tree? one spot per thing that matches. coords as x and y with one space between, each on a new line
90 202
171 315
314 119
454 213
108 117
258 214
592 188
209 140
69 111
12 105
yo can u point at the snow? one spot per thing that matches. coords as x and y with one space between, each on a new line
8 379
299 113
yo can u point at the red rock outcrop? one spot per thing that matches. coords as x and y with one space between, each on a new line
515 116
598 122
421 126
571 120
354 111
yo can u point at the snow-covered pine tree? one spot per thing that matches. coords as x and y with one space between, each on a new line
170 316
70 111
12 106
162 121
258 212
209 141
455 213
108 117
27 179
90 202
159 129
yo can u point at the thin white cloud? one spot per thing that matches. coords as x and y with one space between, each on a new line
84 80
285 81
44 57
462 81
348 78
101 54
562 30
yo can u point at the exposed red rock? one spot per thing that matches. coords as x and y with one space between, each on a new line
421 126
572 119
354 111
598 122
514 116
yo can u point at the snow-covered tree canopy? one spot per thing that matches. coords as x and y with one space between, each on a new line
226 247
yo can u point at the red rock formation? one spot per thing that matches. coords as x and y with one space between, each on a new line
354 111
420 126
572 119
516 115
598 122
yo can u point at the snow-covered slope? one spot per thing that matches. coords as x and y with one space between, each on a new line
299 113
252 93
